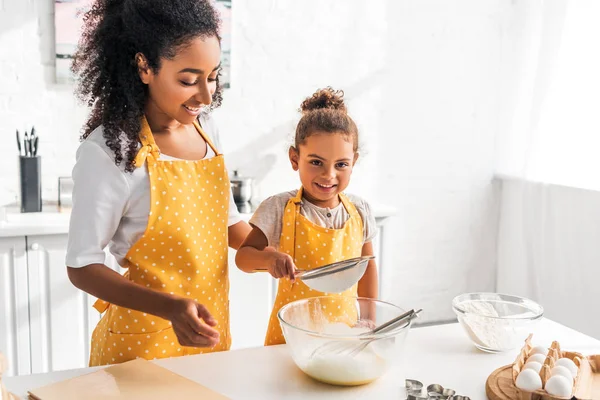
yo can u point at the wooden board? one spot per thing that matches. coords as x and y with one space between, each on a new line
499 385
133 380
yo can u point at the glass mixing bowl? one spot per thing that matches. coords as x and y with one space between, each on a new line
332 347
496 322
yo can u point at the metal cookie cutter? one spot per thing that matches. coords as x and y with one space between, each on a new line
449 393
436 391
414 391
416 397
436 396
413 388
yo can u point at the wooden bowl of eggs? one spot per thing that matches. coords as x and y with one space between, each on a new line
541 373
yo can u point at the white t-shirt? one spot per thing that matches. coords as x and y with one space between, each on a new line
268 217
111 206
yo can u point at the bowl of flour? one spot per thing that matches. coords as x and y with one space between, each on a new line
496 322
321 341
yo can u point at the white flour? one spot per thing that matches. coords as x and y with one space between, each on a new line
491 333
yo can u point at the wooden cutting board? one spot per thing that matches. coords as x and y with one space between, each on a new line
133 380
499 385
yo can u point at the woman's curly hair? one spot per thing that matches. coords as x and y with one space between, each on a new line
114 32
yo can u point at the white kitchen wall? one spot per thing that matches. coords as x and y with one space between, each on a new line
29 96
421 79
435 157
548 249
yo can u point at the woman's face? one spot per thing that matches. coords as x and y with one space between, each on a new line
185 84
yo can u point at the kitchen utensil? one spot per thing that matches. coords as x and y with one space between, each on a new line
35 146
241 188
26 144
65 191
414 391
307 325
435 388
496 322
448 393
335 277
352 348
412 396
436 396
19 142
413 387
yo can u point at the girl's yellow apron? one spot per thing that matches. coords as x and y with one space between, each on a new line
183 251
313 246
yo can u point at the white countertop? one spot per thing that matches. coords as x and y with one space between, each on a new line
54 220
437 354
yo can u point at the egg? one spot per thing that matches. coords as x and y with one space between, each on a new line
534 365
562 371
539 350
538 358
567 362
529 380
559 386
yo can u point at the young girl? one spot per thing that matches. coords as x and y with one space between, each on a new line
318 224
150 183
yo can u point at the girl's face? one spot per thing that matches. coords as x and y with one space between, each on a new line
184 84
324 162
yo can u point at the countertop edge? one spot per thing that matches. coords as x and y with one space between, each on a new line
54 220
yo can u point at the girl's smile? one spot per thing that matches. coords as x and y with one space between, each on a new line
324 161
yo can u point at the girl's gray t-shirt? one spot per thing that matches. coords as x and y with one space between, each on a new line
268 216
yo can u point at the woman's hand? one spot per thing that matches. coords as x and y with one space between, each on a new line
193 324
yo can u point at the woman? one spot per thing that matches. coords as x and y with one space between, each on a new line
150 183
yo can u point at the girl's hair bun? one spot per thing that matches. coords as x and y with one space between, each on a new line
324 99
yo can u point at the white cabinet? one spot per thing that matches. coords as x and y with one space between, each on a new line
46 323
61 317
14 305
250 302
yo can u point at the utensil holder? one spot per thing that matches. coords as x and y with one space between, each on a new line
30 169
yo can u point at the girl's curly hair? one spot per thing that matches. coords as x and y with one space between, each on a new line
114 32
325 111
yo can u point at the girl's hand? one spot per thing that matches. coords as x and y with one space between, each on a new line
281 265
193 324
365 323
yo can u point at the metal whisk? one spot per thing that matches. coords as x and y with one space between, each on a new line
353 348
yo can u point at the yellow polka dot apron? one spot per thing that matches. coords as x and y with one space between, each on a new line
312 246
183 251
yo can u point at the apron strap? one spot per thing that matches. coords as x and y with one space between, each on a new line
290 216
149 147
288 228
206 138
101 305
350 207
